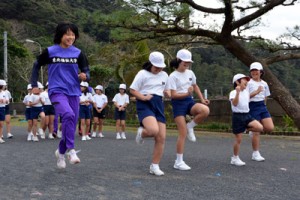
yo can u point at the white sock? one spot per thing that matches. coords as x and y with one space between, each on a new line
255 152
155 166
179 158
191 124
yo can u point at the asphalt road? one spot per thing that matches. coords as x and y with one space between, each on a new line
119 169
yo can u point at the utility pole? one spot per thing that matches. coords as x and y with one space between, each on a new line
5 56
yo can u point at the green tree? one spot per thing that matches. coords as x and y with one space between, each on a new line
167 18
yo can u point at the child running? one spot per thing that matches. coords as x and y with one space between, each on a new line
64 61
121 100
182 83
259 91
241 119
148 87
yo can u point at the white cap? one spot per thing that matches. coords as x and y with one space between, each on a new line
122 86
29 87
40 85
157 59
184 55
99 87
2 82
84 84
256 65
5 82
239 76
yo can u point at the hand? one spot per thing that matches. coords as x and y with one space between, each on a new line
148 97
82 76
238 89
167 93
191 90
259 89
205 101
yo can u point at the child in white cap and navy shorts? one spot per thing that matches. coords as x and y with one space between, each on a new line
148 87
259 91
182 84
241 119
121 100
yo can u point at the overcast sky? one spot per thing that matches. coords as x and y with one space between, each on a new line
275 21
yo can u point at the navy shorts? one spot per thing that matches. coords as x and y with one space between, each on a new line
182 107
100 115
259 110
7 110
28 114
2 113
120 115
35 112
49 110
84 112
154 107
240 122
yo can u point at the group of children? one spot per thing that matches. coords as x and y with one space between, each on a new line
149 87
92 106
152 83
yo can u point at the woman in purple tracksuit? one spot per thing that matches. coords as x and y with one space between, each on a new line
64 79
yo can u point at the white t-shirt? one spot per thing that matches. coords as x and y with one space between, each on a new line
8 96
86 97
243 105
181 81
100 100
45 96
146 82
26 100
3 96
253 85
36 98
121 99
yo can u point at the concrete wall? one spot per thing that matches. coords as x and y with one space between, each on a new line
220 111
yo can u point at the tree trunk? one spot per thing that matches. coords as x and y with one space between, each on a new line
278 91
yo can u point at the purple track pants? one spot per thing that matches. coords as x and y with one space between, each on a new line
67 107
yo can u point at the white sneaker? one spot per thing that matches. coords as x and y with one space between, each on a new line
237 161
101 135
250 134
257 157
88 137
72 156
9 135
181 166
1 141
59 134
156 171
38 131
118 137
191 135
30 137
94 134
123 136
35 139
42 134
138 138
83 138
61 163
50 136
